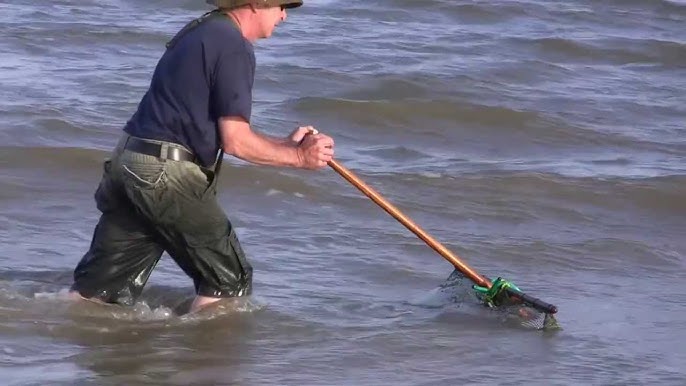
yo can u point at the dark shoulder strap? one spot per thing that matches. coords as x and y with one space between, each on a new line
190 26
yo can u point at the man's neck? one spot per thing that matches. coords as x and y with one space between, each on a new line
243 18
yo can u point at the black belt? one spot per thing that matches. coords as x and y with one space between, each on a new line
156 150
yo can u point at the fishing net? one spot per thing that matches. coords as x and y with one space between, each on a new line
509 309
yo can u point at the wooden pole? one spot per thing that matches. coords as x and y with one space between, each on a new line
409 224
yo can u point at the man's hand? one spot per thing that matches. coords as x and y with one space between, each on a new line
315 150
298 134
304 148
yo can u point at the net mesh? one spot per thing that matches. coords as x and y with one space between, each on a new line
509 311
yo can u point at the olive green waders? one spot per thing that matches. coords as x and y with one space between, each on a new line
151 204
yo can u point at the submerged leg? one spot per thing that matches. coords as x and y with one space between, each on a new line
119 261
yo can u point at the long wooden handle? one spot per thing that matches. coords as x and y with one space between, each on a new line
409 224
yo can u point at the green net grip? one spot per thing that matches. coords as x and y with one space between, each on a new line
491 296
502 289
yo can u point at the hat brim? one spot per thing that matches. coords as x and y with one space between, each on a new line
231 4
292 4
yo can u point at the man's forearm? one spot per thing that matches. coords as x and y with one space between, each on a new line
276 140
259 148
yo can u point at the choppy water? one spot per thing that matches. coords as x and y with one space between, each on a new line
543 141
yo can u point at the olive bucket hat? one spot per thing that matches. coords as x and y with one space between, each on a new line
231 4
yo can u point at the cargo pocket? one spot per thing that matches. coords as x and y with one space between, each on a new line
216 247
145 176
104 194
144 185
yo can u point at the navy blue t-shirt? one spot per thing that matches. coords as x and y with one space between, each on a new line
207 74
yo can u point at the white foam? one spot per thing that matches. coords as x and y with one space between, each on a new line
430 175
62 294
142 311
234 306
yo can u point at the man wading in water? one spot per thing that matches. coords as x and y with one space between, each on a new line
158 191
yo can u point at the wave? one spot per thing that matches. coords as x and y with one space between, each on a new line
659 196
524 7
461 120
86 34
468 11
391 112
612 50
51 158
668 7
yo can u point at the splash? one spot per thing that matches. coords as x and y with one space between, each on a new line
457 293
149 308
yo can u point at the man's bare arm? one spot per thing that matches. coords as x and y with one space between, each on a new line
238 139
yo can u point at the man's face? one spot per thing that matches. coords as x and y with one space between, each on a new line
269 18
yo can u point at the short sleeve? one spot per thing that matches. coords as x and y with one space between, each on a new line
232 88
